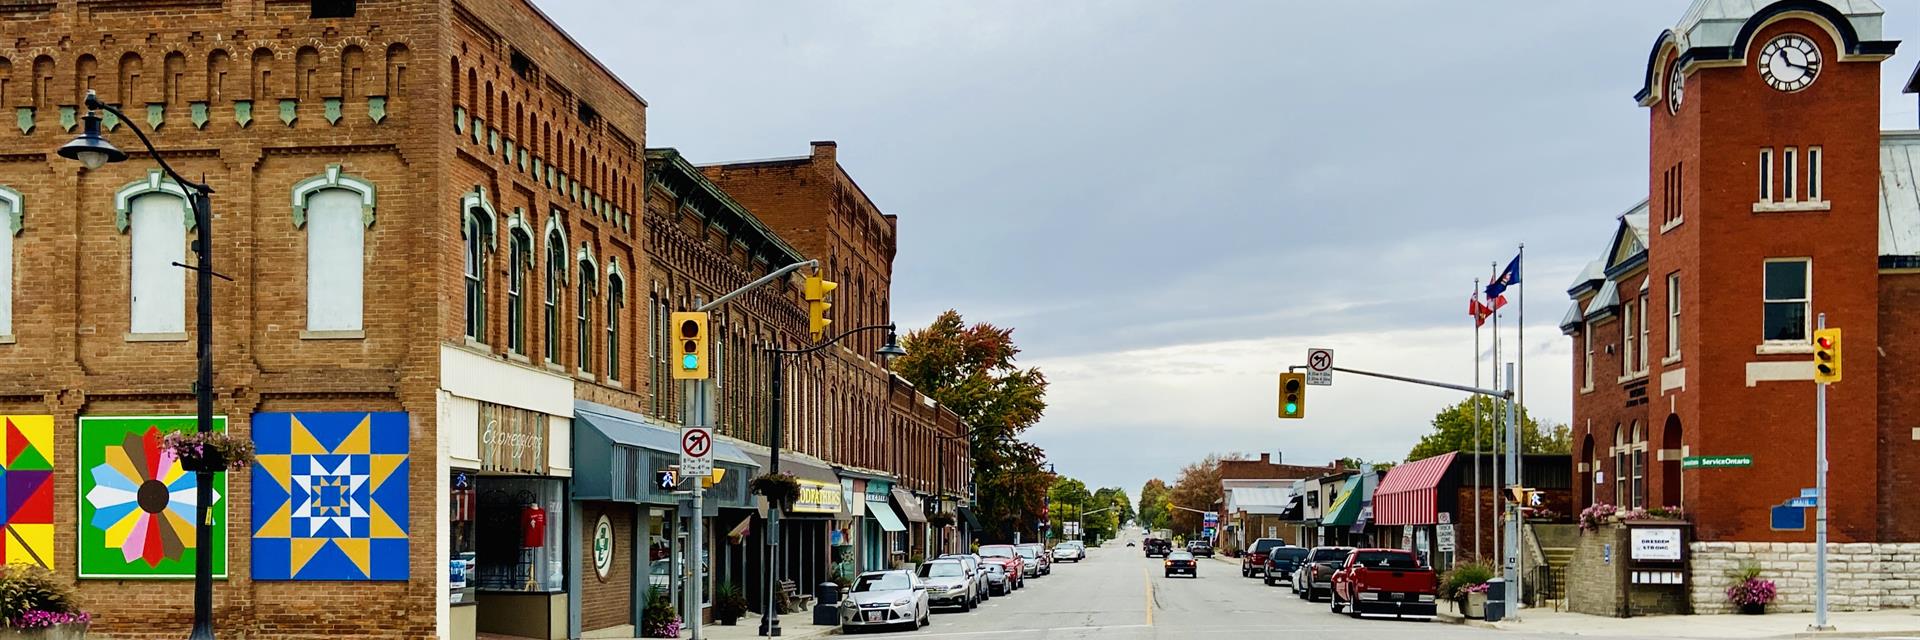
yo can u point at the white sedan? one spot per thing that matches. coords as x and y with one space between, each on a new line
1068 551
886 598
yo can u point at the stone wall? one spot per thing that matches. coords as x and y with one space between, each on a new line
1860 576
1594 580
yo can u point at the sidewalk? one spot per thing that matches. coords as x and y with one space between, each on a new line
1892 622
792 627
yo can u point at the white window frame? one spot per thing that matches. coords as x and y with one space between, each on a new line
1627 337
1814 190
520 250
1806 302
1646 336
174 327
555 295
616 300
1766 176
1586 375
478 243
325 293
12 210
583 314
1789 174
1673 318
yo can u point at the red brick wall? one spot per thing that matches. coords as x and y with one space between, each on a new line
606 602
1899 402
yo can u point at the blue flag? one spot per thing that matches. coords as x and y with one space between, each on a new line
1507 278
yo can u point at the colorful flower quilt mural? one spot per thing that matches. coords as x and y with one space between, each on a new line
137 502
26 491
330 496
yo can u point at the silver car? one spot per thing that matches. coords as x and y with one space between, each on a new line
1069 551
976 567
950 584
886 598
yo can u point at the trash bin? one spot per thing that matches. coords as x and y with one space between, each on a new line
1496 599
826 608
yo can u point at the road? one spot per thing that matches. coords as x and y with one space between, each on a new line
1118 594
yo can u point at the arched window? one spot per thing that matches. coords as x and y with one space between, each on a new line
583 311
478 231
616 300
10 217
335 209
154 211
556 287
519 260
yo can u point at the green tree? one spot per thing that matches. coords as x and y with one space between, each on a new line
971 370
1067 499
1153 505
1453 430
1106 524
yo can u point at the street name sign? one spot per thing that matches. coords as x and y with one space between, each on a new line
1715 462
696 452
1320 367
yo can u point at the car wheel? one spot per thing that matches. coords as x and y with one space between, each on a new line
926 617
1333 602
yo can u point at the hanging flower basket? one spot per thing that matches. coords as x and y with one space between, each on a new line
781 489
209 451
941 519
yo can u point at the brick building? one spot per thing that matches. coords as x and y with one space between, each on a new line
1773 196
441 224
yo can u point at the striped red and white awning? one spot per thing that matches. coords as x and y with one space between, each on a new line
1407 494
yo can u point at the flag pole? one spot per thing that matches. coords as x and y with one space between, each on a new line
1520 386
1478 487
1498 499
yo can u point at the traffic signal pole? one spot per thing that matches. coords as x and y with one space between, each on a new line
1820 515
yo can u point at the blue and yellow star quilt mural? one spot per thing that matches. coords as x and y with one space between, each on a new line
330 496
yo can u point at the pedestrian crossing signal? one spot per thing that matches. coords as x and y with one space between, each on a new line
1293 395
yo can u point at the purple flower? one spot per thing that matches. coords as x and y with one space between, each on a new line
39 619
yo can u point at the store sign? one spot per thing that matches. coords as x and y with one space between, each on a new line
1715 462
1656 544
818 497
512 440
602 547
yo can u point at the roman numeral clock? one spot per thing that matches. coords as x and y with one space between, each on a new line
1790 62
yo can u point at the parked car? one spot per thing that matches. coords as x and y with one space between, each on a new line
1157 547
1315 575
1035 554
1282 561
949 584
1200 548
1181 562
1253 563
1388 582
1069 551
1017 568
998 582
886 598
976 568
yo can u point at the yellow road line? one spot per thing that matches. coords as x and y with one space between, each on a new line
1148 578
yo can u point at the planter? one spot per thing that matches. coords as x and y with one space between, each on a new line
1476 605
56 632
212 462
1753 609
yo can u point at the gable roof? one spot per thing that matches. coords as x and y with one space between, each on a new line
1899 196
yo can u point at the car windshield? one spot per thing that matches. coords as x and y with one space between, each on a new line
942 570
1386 560
1179 555
1288 553
883 582
997 551
1263 546
1329 554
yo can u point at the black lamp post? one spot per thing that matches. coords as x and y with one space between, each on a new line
770 619
94 151
940 481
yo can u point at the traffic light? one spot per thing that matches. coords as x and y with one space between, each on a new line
690 334
1293 395
816 291
1826 356
1521 495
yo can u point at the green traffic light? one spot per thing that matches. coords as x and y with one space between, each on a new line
1293 408
690 361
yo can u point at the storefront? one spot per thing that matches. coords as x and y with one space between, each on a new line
807 531
1407 507
645 542
511 543
914 510
882 531
971 529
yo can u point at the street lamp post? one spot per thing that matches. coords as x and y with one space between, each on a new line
940 475
770 619
93 150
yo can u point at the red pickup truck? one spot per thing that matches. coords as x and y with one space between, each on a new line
1384 582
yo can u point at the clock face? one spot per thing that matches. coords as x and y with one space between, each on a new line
1676 88
1790 62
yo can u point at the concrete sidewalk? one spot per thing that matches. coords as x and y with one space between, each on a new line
792 627
1892 622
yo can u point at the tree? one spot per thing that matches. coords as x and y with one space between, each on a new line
1106 524
1067 498
971 371
1197 488
1453 431
1153 505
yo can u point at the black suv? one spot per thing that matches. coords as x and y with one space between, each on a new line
1200 548
1157 547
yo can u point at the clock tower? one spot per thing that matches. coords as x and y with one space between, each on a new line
1763 212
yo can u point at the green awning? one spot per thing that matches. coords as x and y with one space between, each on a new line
1346 508
884 514
973 521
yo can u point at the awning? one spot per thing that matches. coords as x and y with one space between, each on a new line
910 506
1345 508
884 515
617 452
973 521
1407 494
819 485
1259 501
1293 509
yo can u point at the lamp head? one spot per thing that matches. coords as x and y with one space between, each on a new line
90 148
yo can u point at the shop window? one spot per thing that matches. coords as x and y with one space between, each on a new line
519 544
462 504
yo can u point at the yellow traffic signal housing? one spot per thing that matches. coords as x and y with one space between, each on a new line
1520 495
1826 356
1293 395
816 292
719 473
690 344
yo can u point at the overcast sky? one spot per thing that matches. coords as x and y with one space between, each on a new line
1171 201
